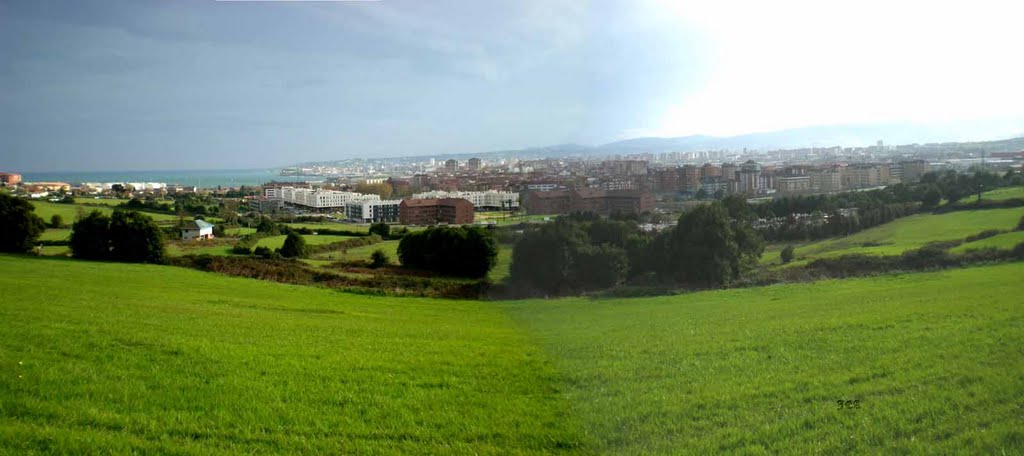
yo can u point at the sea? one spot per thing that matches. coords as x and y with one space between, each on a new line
206 178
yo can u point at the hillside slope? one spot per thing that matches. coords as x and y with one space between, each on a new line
103 357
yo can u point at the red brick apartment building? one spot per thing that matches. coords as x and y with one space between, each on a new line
588 200
431 211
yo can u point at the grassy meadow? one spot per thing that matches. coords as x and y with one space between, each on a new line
1000 194
146 359
137 358
904 234
69 212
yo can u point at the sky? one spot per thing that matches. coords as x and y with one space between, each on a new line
188 84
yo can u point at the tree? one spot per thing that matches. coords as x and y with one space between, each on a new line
702 194
599 266
787 254
90 237
56 221
543 258
21 226
135 238
932 196
294 246
465 251
381 229
384 189
704 249
1020 224
379 259
266 226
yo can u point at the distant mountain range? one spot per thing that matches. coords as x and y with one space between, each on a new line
796 138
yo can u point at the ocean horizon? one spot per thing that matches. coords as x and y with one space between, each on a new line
193 178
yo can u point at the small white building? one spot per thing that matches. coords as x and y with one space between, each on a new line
197 229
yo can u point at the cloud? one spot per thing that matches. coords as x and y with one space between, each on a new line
794 63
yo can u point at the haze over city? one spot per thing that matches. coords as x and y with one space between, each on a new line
118 85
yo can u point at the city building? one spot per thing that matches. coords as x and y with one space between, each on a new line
486 200
690 178
911 171
866 175
625 167
10 179
473 164
729 171
265 205
749 178
320 199
587 200
451 165
793 184
433 211
386 211
829 179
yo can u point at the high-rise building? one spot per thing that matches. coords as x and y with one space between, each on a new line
749 177
473 164
451 165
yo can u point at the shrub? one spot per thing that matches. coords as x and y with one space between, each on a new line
1020 224
787 254
378 259
21 226
294 246
462 251
380 229
56 221
135 238
90 237
241 249
982 235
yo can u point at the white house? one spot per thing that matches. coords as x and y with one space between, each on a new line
197 229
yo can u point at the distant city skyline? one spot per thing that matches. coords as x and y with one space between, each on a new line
120 85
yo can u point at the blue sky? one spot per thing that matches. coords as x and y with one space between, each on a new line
201 84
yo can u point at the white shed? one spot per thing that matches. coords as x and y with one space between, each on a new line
197 229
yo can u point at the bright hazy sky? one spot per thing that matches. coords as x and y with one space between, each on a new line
185 84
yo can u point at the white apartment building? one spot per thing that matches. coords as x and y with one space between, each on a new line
373 211
318 199
489 199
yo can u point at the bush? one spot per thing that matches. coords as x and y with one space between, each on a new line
787 254
378 259
21 226
241 249
294 246
982 235
1020 224
380 229
90 237
462 251
135 238
56 221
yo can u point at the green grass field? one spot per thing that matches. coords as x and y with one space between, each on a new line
904 234
1004 241
275 242
56 234
145 359
331 226
69 212
362 253
239 231
1002 194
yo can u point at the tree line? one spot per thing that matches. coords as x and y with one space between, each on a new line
467 251
711 245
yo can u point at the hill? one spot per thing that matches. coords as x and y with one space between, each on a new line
104 357
905 234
